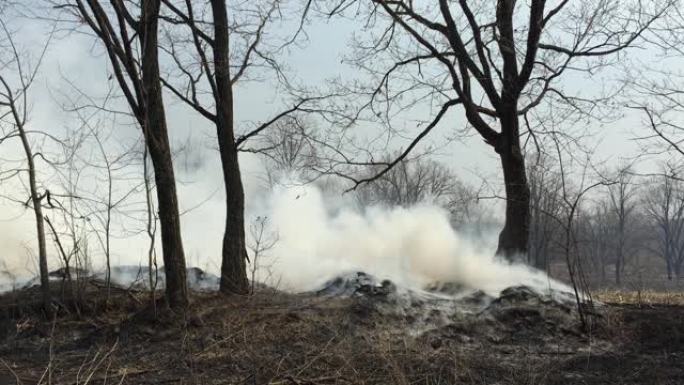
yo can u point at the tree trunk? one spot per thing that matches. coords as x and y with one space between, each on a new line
603 269
234 256
514 236
157 140
545 259
618 270
541 261
620 260
38 211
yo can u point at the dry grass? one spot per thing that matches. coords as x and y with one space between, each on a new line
640 298
282 339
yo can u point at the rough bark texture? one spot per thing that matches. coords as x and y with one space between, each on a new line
157 139
234 256
514 237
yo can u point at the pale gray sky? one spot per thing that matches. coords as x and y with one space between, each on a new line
79 59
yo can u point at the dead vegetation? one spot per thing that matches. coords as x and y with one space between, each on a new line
278 338
641 297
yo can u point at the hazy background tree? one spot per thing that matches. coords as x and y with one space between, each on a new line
290 149
545 205
622 196
596 235
664 203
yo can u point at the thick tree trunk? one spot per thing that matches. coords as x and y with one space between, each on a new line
157 141
234 256
515 234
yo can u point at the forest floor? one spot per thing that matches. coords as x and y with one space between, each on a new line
297 339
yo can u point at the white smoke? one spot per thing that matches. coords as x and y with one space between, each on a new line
319 238
17 264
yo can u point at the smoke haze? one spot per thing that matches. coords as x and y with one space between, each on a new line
319 236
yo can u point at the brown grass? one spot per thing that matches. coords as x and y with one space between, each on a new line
282 339
640 298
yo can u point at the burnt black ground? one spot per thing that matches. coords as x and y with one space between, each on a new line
277 338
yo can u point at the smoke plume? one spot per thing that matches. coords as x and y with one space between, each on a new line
320 237
315 237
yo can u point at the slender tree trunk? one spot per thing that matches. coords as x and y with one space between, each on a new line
619 261
67 263
514 236
603 269
157 140
543 259
38 211
234 256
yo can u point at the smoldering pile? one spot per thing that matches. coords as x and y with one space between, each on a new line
125 277
516 312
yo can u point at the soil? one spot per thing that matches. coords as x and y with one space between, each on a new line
375 335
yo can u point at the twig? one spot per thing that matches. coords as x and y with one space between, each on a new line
16 376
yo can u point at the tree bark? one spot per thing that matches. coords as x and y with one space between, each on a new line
38 211
234 254
603 270
157 140
668 267
513 238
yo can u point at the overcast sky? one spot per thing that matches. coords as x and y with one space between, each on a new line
78 59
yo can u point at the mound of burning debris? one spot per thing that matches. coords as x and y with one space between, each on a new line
520 313
125 277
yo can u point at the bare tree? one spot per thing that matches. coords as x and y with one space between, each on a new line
622 195
656 90
545 205
419 180
290 147
410 182
218 68
571 201
501 61
131 43
106 201
14 115
263 240
73 209
657 95
596 233
664 203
